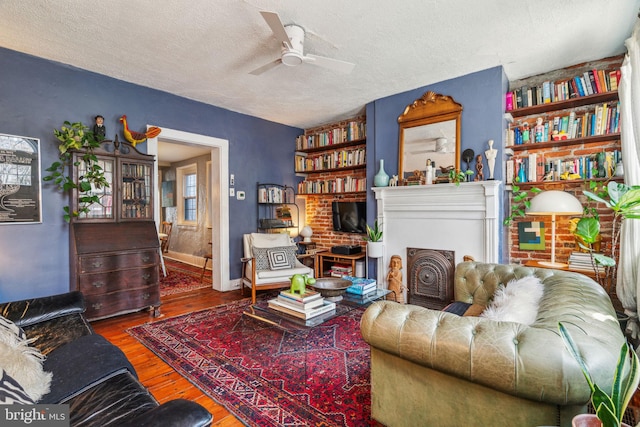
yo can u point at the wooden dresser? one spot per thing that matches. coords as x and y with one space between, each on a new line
114 245
115 266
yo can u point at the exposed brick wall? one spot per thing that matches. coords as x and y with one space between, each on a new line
319 218
565 241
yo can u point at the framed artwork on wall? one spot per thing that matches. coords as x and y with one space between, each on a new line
168 192
20 190
531 235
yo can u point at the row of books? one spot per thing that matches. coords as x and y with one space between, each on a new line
305 306
336 159
352 131
535 168
588 83
360 285
274 195
582 261
337 185
603 120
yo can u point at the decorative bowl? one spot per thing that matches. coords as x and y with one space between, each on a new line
331 288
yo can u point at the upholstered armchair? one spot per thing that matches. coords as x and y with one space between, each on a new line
269 261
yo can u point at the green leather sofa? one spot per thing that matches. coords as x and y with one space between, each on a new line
437 369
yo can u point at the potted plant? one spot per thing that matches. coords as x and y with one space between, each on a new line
374 241
76 136
624 201
457 176
609 408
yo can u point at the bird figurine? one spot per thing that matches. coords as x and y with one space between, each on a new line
137 137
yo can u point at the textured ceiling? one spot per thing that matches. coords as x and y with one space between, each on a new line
205 49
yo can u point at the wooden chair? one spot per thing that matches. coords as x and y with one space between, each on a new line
258 279
207 257
165 235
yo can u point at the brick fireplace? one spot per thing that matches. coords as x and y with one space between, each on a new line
464 219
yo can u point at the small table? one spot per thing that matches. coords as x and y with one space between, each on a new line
262 312
328 256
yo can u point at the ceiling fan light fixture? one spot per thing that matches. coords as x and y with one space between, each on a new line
291 58
441 145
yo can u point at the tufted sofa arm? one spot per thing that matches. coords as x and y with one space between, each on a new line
525 361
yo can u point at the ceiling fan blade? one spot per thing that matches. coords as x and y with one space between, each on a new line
274 22
266 67
330 63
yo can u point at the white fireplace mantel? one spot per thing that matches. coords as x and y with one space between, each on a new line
463 218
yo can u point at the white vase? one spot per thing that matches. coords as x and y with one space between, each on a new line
375 249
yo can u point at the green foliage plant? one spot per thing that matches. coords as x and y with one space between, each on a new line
609 408
521 201
624 201
374 234
458 176
77 137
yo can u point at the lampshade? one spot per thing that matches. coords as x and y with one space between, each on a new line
554 203
306 232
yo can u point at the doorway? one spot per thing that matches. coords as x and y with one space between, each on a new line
219 184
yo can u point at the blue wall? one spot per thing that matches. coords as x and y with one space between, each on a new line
37 96
481 96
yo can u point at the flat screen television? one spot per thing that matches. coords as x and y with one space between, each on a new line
349 217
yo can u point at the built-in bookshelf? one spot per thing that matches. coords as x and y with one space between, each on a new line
332 159
563 133
565 130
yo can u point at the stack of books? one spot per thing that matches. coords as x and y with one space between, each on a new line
305 306
340 270
582 261
361 286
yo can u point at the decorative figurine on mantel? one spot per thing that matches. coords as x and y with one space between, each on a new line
394 280
490 154
467 156
479 174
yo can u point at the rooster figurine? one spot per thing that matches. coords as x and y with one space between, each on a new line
137 137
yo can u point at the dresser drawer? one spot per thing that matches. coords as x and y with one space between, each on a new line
101 306
120 280
98 263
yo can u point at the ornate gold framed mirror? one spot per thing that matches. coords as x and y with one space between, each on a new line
429 130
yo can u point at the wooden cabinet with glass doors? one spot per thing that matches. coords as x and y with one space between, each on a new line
114 244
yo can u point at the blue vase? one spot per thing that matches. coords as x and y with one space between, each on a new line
381 179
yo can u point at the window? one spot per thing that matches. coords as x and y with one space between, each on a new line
190 197
188 194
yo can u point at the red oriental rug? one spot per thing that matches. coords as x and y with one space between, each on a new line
182 277
265 376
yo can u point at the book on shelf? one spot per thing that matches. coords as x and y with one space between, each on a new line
309 295
277 305
360 285
588 83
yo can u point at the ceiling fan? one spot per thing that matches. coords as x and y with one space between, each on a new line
292 52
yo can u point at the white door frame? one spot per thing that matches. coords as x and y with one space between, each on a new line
219 197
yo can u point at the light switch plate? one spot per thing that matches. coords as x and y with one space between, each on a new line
232 180
240 195
232 192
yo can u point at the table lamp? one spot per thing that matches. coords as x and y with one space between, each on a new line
306 232
554 203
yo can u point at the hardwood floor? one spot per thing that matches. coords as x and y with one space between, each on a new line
162 381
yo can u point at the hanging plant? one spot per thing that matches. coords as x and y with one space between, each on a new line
77 137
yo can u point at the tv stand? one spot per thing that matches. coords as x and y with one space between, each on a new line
329 258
